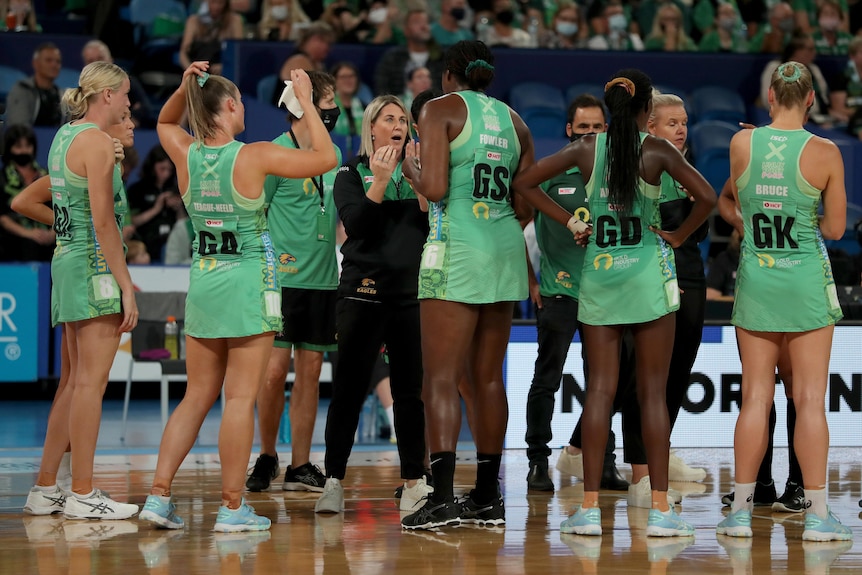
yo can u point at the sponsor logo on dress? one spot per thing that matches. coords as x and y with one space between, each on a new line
495 156
492 122
765 260
772 170
607 261
214 223
566 191
771 205
603 261
368 179
481 210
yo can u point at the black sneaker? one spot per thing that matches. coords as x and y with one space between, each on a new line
764 495
306 477
493 513
264 471
433 515
538 478
793 500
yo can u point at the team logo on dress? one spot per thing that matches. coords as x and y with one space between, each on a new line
286 259
366 286
483 208
765 260
563 278
603 260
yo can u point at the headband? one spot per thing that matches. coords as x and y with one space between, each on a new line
627 85
478 64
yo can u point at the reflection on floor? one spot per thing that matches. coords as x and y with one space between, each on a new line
367 537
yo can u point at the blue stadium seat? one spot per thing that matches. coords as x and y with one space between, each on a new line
8 77
545 122
365 93
266 87
717 103
710 143
576 90
536 95
68 78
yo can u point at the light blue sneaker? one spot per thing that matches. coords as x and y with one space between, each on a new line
240 519
825 529
162 513
667 524
583 522
736 524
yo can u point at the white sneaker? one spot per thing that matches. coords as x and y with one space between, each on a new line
571 464
640 494
45 500
678 470
64 473
332 498
97 505
413 498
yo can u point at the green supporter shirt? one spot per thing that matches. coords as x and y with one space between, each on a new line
842 41
562 259
303 232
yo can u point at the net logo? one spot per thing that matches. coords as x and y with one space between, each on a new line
11 350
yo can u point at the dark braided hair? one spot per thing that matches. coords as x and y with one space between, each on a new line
626 96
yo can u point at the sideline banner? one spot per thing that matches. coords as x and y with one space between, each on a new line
21 317
709 411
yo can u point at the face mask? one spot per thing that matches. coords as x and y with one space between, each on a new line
727 24
458 13
378 15
278 13
21 159
329 117
617 22
567 28
829 24
505 17
787 25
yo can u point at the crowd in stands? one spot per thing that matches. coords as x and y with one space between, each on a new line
415 34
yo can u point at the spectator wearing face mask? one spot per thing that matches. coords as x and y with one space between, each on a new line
728 34
447 30
568 30
829 38
503 32
281 20
21 239
611 30
773 37
382 20
807 14
668 34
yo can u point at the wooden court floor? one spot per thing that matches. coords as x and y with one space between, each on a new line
367 538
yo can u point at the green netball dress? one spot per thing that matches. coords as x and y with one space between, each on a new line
233 291
475 250
301 218
784 281
83 286
629 274
562 260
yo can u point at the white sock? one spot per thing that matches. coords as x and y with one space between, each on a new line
390 414
65 470
84 496
163 498
743 497
45 488
815 502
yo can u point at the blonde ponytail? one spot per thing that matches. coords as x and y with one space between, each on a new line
204 100
94 78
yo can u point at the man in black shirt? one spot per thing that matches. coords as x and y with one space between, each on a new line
35 101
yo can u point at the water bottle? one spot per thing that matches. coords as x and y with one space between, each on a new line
483 26
533 31
172 337
741 41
